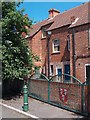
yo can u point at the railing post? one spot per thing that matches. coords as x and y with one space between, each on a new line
83 98
49 91
25 98
87 98
29 87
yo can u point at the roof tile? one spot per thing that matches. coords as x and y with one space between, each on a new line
81 12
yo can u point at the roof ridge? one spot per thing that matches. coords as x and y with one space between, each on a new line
73 8
39 22
62 12
65 18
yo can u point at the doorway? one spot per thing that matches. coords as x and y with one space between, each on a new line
59 71
59 74
67 71
88 74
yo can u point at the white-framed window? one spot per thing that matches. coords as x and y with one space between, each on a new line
43 70
68 43
51 70
43 32
89 37
59 74
56 45
87 73
59 71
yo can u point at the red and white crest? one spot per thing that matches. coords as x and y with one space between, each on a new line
63 93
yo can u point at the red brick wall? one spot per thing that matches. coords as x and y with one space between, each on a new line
64 54
44 47
73 95
44 50
36 44
39 47
74 101
40 88
87 99
80 68
81 50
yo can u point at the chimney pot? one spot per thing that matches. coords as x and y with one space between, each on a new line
53 12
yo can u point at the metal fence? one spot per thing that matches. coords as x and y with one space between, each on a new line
70 95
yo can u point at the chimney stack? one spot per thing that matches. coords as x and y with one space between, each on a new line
53 12
72 19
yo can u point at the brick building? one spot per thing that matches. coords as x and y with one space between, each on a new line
69 45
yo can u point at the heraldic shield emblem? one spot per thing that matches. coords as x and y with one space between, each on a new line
63 94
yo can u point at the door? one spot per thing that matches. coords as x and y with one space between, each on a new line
88 74
59 71
59 74
67 71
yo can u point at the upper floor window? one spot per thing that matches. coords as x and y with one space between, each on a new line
89 37
56 45
43 32
68 43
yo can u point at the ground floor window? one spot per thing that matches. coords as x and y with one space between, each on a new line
43 70
88 74
51 70
59 74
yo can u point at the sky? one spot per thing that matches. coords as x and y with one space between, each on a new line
38 11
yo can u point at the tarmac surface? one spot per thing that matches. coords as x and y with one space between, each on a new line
9 113
36 108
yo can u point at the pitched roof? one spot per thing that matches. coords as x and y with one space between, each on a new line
81 14
36 27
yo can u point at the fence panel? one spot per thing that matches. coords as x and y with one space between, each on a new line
71 96
39 89
86 96
66 95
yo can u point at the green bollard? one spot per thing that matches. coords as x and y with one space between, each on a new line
25 98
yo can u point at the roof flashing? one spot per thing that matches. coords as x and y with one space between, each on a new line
75 21
51 18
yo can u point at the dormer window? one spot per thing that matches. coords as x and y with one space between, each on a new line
43 32
56 45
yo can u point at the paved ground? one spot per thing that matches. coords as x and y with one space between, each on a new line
9 113
40 109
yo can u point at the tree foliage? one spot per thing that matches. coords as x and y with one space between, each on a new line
17 57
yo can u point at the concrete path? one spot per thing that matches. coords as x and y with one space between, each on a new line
40 109
9 113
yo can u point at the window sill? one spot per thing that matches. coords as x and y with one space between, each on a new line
88 47
58 52
43 37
